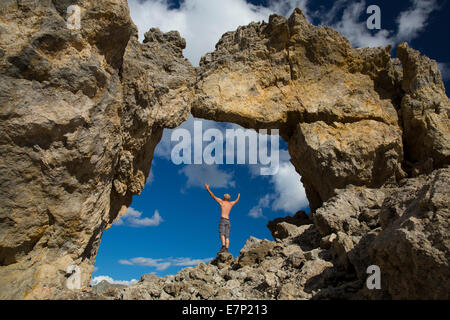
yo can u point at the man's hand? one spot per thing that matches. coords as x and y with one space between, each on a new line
212 194
237 199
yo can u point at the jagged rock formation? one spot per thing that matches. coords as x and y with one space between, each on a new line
82 111
404 230
339 120
104 286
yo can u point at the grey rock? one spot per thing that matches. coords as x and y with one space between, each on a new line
413 247
425 112
286 227
104 285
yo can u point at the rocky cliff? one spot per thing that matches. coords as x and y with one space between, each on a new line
82 111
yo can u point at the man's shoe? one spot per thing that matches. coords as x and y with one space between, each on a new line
225 250
222 249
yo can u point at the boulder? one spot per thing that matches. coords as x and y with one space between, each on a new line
413 247
254 252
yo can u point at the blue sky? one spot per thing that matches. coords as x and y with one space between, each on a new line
174 222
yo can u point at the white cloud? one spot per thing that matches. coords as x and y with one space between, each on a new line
444 67
356 30
99 279
163 264
151 176
285 7
164 148
133 218
326 18
159 264
203 22
199 174
410 23
264 202
188 261
283 156
290 195
126 262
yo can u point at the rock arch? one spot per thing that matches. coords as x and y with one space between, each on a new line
82 111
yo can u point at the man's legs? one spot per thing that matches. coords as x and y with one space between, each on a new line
227 234
224 232
222 238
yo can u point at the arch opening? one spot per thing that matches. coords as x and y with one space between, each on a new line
173 223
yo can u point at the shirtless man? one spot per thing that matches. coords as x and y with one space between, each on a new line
224 223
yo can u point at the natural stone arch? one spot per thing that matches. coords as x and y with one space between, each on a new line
311 84
82 112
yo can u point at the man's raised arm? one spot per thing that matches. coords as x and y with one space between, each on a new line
212 194
237 199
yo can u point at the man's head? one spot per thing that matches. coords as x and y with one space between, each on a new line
226 197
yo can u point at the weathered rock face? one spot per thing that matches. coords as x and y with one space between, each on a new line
335 106
81 112
157 88
425 113
286 227
413 247
403 230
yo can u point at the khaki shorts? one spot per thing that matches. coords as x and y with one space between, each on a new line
224 227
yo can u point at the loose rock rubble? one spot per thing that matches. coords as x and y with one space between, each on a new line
402 230
81 112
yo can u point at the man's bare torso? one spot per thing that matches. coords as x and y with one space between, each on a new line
225 208
225 205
